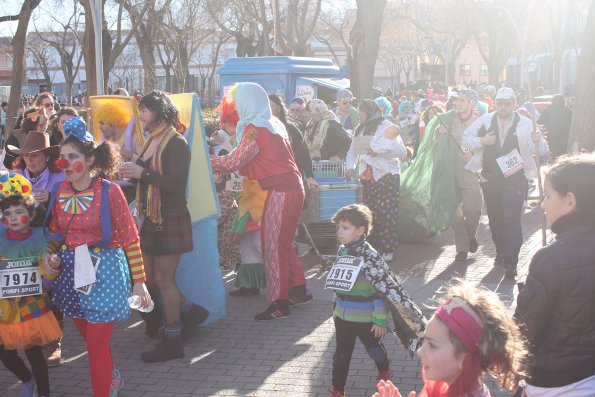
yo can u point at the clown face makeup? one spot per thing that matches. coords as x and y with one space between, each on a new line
17 218
74 164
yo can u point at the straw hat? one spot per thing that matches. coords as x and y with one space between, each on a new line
34 142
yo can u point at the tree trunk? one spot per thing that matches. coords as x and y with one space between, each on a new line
69 84
452 66
147 55
168 80
494 70
106 42
582 134
18 45
365 40
89 51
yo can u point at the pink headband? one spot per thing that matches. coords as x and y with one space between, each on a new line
463 321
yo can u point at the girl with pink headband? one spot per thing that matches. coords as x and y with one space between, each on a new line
470 333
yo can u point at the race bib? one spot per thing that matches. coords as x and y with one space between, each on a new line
235 184
343 274
510 163
19 277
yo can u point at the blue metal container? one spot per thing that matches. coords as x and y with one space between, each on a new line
287 77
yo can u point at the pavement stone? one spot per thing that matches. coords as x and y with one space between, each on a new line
237 356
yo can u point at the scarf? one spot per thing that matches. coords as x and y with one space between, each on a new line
252 104
41 181
316 131
408 318
152 205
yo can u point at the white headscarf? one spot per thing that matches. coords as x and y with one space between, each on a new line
252 105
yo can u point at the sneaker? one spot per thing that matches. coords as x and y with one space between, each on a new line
168 349
385 375
277 309
28 389
332 392
117 383
301 299
473 245
242 291
52 354
190 320
461 256
388 257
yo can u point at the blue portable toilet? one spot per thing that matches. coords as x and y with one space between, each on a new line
287 77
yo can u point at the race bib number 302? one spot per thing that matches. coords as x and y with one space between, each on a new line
510 163
343 274
19 277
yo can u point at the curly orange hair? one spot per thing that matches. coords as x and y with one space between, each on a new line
228 111
109 113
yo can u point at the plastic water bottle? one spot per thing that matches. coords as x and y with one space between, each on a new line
134 302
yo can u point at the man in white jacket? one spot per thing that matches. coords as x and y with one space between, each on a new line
504 143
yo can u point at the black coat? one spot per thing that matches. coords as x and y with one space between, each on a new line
336 143
556 308
557 120
300 151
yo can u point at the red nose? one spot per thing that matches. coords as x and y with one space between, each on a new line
62 164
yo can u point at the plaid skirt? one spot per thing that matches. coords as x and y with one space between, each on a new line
173 236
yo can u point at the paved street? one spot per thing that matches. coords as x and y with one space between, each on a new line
290 357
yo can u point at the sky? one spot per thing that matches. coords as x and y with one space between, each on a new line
9 7
40 15
12 7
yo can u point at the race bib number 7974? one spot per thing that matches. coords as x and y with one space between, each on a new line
19 277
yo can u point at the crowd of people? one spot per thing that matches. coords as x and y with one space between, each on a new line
65 214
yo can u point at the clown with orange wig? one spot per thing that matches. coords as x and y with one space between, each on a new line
245 228
117 126
263 154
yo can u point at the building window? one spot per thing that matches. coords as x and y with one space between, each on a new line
465 70
483 70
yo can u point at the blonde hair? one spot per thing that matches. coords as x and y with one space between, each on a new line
112 114
502 349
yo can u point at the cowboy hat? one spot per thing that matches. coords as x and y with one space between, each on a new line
34 142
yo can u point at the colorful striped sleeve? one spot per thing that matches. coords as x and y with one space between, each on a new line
380 313
135 261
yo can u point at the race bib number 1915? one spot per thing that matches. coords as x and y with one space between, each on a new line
19 277
343 274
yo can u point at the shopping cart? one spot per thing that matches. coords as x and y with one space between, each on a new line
334 193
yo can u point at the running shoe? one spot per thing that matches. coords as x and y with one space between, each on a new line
277 310
117 383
